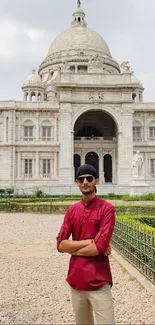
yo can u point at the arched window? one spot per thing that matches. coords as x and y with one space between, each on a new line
137 131
28 131
33 97
151 133
77 163
39 97
107 167
47 133
92 158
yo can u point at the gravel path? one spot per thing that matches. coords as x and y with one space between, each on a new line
33 289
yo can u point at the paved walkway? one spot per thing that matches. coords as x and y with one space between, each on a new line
33 289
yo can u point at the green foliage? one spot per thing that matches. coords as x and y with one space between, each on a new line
38 193
144 197
136 241
135 210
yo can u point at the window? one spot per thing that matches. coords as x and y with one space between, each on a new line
152 133
152 167
28 133
137 133
46 167
46 133
28 167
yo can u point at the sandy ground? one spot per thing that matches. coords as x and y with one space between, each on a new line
33 289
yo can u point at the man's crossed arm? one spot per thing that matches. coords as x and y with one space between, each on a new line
101 243
81 248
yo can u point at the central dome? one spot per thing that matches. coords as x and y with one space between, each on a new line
78 44
79 38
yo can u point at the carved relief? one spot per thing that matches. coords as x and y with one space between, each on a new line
91 96
101 95
95 62
65 67
96 95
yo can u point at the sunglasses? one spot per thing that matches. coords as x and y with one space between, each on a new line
89 179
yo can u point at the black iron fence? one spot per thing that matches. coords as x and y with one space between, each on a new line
137 246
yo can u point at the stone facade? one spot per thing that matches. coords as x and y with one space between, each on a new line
80 107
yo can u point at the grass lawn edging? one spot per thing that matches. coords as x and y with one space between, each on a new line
56 208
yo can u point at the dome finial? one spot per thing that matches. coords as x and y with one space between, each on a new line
78 3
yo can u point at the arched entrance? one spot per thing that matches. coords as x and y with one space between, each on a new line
92 158
77 163
107 168
96 131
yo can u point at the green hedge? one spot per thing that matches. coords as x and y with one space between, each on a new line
57 208
110 196
136 242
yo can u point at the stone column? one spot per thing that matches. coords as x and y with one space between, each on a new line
19 128
146 165
66 147
42 96
114 166
125 149
19 165
38 127
101 172
83 157
55 130
36 93
29 96
55 164
25 96
37 164
5 129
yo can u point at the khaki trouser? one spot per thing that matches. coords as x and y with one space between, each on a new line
99 301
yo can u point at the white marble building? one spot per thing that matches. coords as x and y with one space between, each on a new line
80 106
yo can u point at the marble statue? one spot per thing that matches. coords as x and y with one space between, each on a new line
125 66
95 62
138 164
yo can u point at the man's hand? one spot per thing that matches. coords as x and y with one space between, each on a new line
108 251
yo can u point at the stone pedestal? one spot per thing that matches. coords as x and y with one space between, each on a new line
138 186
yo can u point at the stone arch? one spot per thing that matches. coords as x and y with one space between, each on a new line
151 130
92 158
151 123
33 96
137 130
46 123
137 123
107 167
77 163
94 125
112 113
28 123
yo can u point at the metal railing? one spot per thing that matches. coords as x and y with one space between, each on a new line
137 246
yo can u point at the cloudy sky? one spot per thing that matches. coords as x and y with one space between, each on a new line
28 27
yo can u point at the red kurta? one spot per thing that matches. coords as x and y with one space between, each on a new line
96 220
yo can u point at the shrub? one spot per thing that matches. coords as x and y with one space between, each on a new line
38 193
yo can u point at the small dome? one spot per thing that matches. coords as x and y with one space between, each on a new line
33 80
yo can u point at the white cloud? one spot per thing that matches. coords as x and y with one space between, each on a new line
20 43
8 30
34 34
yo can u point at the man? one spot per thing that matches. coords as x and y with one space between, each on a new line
91 223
